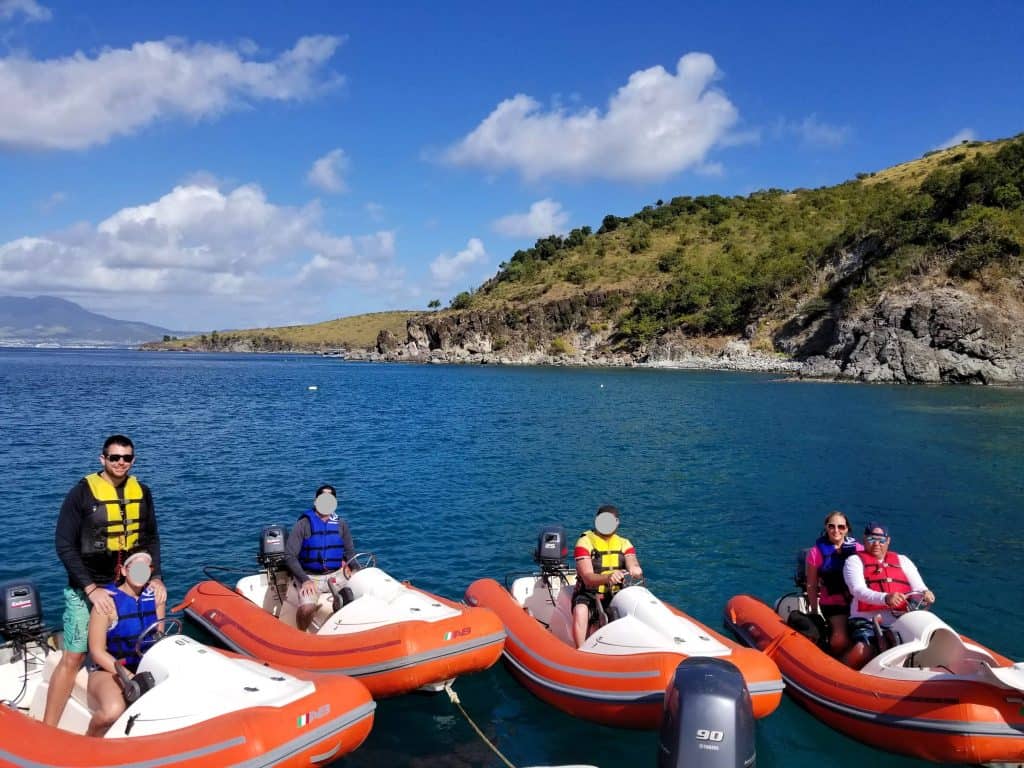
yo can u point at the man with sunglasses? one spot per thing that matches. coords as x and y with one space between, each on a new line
879 580
104 518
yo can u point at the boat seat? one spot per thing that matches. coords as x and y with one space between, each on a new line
538 599
927 642
373 581
638 621
77 713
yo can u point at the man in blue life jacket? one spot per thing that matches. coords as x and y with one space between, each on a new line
603 558
105 516
318 545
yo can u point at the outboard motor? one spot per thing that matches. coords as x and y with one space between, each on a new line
708 721
551 549
272 552
21 614
800 571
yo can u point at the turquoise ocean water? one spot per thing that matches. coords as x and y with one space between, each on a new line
446 473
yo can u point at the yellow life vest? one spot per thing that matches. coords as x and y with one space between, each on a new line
120 524
607 554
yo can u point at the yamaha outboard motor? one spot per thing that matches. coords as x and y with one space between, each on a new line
551 549
21 615
272 541
708 720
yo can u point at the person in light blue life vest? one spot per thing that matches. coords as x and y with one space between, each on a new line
113 638
318 545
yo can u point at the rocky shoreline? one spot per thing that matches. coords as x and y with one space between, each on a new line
926 334
735 356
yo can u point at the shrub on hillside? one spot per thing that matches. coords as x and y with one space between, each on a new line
462 300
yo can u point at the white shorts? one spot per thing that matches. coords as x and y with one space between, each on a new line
323 587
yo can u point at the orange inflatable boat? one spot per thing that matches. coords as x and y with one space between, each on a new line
620 675
390 636
935 694
203 708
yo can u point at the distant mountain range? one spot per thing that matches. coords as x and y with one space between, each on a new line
45 320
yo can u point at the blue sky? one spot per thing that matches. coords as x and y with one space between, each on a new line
239 164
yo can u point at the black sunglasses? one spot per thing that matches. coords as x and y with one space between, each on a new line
113 458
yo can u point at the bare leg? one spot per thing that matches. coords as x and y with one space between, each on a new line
106 701
580 623
304 616
859 655
61 682
840 639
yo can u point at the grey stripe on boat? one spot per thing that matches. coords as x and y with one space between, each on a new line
596 694
370 669
265 760
577 670
756 689
339 724
768 686
958 727
408 661
13 759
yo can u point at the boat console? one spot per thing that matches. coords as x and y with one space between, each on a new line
928 647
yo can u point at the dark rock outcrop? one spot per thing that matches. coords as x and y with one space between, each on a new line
924 335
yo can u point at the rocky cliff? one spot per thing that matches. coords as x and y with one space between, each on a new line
917 335
927 331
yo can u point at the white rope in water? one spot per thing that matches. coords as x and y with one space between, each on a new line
455 700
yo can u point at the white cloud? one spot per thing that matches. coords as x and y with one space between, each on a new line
813 132
53 201
78 101
32 10
328 172
967 134
545 217
656 125
199 252
447 270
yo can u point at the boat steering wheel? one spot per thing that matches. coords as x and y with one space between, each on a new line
361 560
159 629
915 602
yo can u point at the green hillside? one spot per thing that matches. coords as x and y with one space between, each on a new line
712 264
356 332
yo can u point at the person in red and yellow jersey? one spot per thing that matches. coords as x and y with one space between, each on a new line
603 559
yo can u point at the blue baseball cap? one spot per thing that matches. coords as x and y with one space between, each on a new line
874 526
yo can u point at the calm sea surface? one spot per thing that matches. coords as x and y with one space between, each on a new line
447 473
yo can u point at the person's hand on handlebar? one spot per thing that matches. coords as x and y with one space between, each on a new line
896 601
615 578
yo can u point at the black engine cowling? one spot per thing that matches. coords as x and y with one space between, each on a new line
20 610
708 720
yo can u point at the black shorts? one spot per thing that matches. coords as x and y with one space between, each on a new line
831 611
589 599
